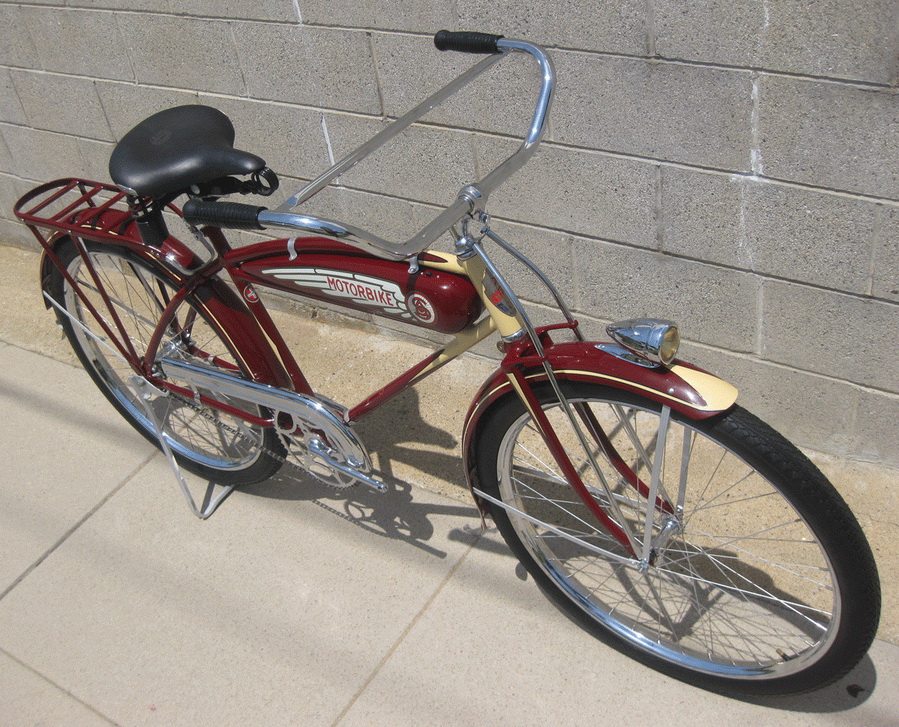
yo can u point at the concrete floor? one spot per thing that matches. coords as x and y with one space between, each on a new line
297 604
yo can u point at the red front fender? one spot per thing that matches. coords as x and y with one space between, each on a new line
687 389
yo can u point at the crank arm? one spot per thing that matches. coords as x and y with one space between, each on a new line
320 451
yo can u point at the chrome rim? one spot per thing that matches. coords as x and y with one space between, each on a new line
741 587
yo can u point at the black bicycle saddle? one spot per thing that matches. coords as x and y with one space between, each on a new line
176 148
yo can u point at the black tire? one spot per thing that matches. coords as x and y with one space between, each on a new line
212 445
767 584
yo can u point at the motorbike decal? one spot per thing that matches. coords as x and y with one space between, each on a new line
360 289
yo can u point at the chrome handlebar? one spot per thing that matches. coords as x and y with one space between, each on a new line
472 197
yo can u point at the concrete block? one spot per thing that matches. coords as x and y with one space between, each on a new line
830 135
550 251
753 224
80 42
184 53
11 110
667 111
830 333
609 27
312 66
290 139
885 267
392 219
41 155
834 38
94 160
65 104
127 104
17 47
11 189
423 164
711 305
14 233
877 428
410 69
597 195
256 10
416 15
592 327
6 159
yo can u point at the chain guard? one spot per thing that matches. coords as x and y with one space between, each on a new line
312 430
316 443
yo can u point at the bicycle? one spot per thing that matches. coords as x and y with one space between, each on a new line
652 508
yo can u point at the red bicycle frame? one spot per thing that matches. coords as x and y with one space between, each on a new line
440 292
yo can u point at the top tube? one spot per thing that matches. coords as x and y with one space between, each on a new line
471 198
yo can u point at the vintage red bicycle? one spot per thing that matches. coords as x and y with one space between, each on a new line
636 492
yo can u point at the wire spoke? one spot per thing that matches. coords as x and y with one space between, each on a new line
739 581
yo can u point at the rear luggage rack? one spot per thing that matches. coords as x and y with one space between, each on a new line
78 206
103 212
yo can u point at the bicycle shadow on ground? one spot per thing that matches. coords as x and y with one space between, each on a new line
850 692
399 439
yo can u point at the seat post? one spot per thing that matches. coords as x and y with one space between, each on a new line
150 222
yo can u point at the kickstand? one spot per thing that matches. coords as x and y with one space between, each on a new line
211 499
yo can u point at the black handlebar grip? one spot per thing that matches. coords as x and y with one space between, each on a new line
466 41
230 215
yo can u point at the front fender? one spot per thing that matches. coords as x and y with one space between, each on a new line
687 389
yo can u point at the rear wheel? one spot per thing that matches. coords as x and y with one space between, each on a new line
213 445
760 580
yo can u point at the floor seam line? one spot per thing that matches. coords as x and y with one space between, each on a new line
59 687
402 637
72 530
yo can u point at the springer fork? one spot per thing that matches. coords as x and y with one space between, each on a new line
609 514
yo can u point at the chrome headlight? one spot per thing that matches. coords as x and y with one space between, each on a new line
649 338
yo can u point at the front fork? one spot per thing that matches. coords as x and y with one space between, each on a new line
520 335
551 439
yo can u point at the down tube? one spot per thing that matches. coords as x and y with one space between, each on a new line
462 342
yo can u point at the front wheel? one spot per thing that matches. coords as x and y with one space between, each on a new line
759 581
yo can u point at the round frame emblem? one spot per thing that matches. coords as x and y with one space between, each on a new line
421 308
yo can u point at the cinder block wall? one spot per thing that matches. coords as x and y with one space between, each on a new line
733 166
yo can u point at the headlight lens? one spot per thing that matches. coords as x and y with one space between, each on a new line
670 344
650 338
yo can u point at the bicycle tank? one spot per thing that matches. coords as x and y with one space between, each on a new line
329 271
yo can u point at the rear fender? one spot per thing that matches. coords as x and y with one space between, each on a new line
246 338
687 389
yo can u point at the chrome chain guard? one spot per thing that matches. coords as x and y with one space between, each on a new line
314 435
